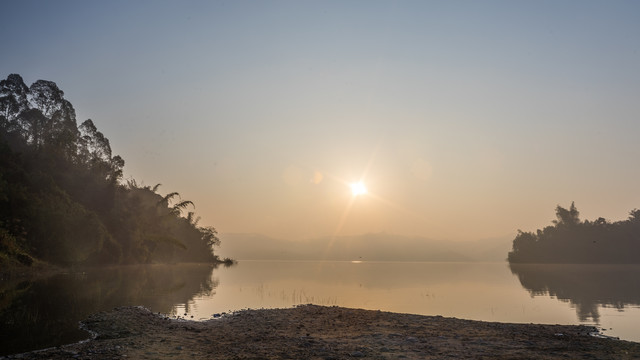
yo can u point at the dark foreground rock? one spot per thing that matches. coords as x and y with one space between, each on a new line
316 332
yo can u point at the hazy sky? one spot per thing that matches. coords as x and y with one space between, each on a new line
465 119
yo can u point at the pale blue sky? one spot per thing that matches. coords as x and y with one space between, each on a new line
473 118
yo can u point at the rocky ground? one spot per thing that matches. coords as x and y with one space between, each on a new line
316 332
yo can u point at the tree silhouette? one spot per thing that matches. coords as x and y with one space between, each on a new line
566 217
61 193
573 241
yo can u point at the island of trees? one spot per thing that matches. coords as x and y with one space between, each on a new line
572 241
62 197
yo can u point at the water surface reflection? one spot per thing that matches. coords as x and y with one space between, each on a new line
604 295
45 312
585 287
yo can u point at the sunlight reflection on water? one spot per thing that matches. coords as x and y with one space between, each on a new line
477 291
35 314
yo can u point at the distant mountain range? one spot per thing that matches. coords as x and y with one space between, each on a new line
368 247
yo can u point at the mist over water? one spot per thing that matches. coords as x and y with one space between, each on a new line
42 313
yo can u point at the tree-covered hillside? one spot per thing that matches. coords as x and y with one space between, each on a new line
62 198
571 240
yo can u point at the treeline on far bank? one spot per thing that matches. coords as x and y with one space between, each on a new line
571 240
62 198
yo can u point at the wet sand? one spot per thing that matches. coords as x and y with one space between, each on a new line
317 332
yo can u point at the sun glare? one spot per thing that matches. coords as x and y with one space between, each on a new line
358 189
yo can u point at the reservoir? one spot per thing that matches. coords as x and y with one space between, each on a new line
45 312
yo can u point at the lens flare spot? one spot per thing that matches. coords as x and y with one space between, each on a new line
317 177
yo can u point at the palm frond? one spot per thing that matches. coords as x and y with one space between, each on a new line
168 197
183 204
177 208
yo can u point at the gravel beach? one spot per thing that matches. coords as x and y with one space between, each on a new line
317 332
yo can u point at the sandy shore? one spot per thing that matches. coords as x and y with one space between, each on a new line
316 332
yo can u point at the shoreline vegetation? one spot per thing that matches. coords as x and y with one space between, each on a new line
318 332
63 202
572 241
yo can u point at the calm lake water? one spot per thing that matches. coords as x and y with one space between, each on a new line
43 313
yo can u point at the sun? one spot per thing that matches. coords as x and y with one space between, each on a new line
358 189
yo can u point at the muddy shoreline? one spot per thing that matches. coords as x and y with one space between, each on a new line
317 332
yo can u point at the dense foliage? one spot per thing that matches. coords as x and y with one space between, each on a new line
570 240
62 198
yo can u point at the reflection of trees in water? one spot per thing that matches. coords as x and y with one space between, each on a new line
46 312
585 286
